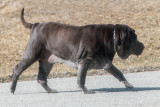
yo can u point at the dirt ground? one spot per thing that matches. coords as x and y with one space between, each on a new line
142 15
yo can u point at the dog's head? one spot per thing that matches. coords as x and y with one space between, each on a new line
125 41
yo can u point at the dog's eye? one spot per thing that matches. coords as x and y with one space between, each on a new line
130 32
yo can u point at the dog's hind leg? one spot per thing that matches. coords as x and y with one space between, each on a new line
44 70
32 53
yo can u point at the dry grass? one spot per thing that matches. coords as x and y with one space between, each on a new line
142 15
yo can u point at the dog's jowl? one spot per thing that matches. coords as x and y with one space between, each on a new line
81 47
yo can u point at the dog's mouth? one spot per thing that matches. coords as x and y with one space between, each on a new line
124 57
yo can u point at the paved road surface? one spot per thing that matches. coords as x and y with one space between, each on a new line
109 92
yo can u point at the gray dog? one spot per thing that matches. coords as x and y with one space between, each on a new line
81 47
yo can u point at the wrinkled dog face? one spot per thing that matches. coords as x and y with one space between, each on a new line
126 42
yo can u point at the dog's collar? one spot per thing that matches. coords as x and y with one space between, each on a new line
114 38
114 35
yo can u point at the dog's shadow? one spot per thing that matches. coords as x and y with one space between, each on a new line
106 90
135 89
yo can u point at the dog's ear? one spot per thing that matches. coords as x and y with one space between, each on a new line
120 33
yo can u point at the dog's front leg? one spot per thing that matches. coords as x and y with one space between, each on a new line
118 74
81 76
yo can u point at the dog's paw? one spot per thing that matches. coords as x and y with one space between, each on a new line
127 84
12 89
89 92
52 91
86 91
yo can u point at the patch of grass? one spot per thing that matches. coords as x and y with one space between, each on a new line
142 15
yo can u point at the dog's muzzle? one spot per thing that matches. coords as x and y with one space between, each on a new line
137 48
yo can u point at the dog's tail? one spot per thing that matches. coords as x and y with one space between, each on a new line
25 24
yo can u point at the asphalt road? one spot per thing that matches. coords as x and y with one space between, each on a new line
109 92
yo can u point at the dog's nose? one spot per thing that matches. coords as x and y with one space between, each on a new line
143 46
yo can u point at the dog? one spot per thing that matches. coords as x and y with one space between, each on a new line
81 47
